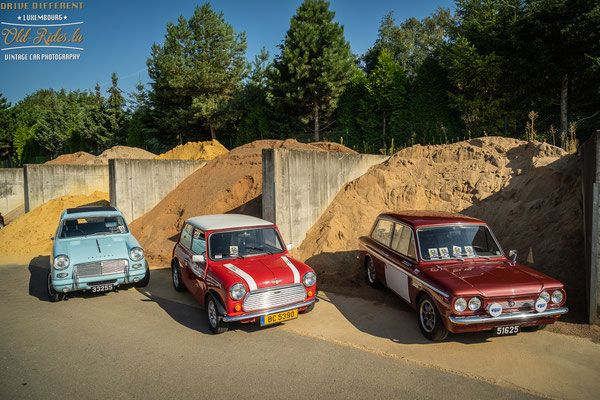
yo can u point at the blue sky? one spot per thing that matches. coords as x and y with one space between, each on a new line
117 36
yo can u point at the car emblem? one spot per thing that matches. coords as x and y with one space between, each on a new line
275 281
511 303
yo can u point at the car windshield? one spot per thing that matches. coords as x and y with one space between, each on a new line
96 225
244 243
456 242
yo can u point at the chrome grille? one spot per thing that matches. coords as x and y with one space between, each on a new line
98 268
519 305
276 296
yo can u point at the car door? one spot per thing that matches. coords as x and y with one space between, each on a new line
197 270
402 259
183 253
382 234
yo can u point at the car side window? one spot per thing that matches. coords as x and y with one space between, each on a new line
403 241
186 236
199 242
382 232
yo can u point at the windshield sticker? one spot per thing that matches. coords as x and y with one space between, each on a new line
444 252
196 235
433 253
121 229
218 256
456 251
233 250
469 250
110 224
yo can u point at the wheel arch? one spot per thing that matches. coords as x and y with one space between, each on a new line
218 301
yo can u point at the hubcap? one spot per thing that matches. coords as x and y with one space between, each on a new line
371 271
212 313
427 315
175 277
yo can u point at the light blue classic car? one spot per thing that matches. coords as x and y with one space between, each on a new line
94 250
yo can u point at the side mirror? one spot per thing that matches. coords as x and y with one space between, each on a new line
198 258
289 247
512 255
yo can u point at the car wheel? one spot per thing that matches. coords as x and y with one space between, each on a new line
308 309
215 321
371 274
534 328
53 295
430 320
144 282
176 277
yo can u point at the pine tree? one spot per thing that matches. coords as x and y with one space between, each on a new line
314 66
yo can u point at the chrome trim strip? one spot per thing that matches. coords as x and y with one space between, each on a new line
273 288
267 312
508 317
381 257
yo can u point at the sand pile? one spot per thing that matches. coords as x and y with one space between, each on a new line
81 157
31 233
194 151
230 182
529 193
133 153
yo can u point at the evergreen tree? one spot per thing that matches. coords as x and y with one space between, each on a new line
5 128
194 73
314 65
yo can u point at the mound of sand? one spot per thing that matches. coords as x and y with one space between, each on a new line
194 151
31 233
529 193
81 157
231 182
133 153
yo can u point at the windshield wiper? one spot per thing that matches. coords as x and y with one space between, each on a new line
260 249
98 234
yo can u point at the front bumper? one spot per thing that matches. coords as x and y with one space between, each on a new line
74 283
258 314
514 317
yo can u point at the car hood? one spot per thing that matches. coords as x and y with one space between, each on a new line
266 271
489 279
95 248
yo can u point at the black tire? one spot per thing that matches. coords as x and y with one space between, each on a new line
53 295
430 321
308 309
144 282
176 276
215 320
371 274
534 328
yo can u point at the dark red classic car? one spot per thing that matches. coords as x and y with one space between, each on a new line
451 269
238 267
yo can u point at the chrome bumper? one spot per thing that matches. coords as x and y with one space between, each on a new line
267 312
508 317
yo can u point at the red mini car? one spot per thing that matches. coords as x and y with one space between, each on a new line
238 267
452 271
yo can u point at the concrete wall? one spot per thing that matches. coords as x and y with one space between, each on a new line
299 185
136 186
47 182
11 189
590 152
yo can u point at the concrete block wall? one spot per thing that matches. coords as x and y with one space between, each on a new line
47 182
590 153
11 189
136 186
299 185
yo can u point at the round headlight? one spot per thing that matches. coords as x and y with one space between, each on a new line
557 297
474 304
237 291
136 254
544 295
309 279
460 304
61 262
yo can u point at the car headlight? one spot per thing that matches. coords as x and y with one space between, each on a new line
544 295
309 279
460 304
61 262
474 304
237 291
136 254
557 297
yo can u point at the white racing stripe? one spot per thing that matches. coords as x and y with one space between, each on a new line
293 268
249 280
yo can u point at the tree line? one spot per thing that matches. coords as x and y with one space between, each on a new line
487 68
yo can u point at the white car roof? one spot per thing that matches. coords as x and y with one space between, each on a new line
225 221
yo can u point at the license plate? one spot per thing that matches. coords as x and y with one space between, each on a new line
279 317
506 330
102 288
